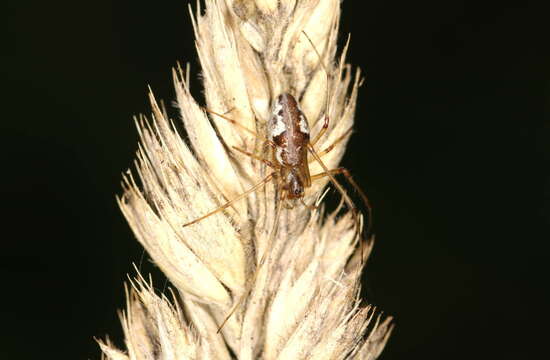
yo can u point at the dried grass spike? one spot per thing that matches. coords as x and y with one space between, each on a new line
303 301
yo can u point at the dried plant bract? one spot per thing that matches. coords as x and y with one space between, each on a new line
303 301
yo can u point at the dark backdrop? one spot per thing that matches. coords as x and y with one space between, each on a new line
449 146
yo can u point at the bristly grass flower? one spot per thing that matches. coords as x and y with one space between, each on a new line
303 303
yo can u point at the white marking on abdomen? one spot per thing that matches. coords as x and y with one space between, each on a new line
304 128
277 126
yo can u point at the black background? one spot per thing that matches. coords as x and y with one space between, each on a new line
449 145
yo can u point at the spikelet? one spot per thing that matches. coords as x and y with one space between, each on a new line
304 301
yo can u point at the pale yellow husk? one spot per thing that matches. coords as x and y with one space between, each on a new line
303 303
